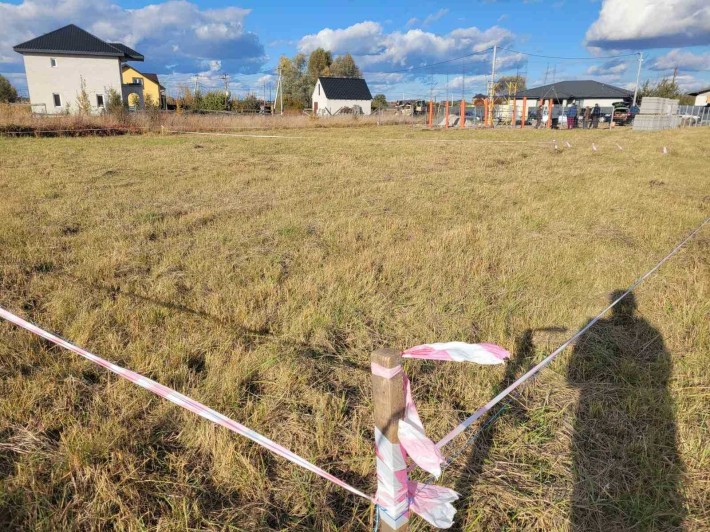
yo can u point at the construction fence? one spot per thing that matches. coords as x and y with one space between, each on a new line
511 115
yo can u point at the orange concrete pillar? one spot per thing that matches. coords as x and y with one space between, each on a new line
431 113
525 110
462 117
549 113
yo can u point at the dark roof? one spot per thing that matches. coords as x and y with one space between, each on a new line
699 92
72 40
130 53
345 88
576 89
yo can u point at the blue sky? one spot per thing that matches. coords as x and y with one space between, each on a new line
391 41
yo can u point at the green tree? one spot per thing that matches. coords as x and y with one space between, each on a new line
82 99
379 102
665 88
344 67
215 101
297 86
115 105
250 103
8 93
319 63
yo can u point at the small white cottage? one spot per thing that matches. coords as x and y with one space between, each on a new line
336 96
702 97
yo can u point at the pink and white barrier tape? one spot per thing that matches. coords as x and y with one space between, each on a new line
184 402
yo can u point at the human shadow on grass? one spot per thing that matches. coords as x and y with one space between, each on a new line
626 464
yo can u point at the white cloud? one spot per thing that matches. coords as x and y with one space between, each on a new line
636 24
177 32
375 50
435 16
414 21
615 67
684 60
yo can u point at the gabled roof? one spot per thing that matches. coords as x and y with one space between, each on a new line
699 92
345 88
72 40
576 89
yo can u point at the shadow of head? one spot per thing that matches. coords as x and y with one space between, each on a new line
624 309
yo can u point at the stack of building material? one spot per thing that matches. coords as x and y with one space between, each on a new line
657 113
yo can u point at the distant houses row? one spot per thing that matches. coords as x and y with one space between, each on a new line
62 64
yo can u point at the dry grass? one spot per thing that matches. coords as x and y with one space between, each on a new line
256 275
17 120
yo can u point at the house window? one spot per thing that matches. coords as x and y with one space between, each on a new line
138 81
99 100
52 62
57 100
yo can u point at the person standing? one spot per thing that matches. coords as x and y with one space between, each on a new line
586 117
596 113
571 115
538 114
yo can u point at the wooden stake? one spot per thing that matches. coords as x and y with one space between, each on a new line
388 401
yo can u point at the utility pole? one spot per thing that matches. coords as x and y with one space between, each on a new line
225 79
493 85
638 78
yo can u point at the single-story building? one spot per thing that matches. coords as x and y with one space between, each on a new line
334 96
62 63
702 98
583 92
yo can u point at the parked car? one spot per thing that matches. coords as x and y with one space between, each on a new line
621 115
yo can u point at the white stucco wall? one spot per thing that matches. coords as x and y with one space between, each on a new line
325 105
43 80
581 102
703 98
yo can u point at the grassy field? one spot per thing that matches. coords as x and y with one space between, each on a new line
257 274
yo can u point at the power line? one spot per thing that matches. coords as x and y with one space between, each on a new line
570 58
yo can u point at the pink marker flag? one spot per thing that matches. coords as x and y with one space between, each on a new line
413 438
411 432
433 503
486 354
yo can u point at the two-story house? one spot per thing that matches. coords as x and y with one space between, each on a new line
62 63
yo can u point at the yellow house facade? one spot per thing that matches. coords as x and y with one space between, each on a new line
141 85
